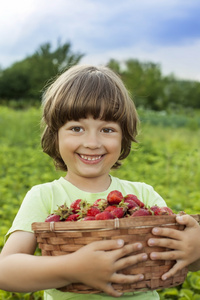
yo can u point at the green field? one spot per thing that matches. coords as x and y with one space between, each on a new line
166 157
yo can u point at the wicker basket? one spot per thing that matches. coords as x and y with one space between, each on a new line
59 238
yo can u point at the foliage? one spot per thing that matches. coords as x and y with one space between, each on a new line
22 83
151 90
166 157
21 296
144 81
25 79
190 289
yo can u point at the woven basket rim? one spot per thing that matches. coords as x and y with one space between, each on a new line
135 222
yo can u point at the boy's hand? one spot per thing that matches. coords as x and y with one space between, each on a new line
98 263
186 245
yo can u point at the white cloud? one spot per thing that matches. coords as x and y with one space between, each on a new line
147 30
13 18
182 61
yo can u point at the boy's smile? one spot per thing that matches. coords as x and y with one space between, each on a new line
89 148
90 158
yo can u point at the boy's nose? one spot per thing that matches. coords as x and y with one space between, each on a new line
92 141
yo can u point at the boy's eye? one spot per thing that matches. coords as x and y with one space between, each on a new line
107 130
77 129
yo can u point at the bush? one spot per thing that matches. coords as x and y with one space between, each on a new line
166 158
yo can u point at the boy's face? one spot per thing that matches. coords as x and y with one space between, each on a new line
89 147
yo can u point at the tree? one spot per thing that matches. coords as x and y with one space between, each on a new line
26 79
143 80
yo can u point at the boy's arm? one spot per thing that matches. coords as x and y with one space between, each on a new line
95 265
21 271
186 245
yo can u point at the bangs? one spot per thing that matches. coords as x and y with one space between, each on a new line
83 91
93 94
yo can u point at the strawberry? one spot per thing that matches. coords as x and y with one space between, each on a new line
104 215
73 217
96 202
110 208
141 212
53 218
75 205
161 210
93 211
102 203
63 211
78 205
130 203
134 198
166 210
118 212
155 210
114 197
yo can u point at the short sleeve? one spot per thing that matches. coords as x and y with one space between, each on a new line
34 208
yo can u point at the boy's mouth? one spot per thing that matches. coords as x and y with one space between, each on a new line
90 157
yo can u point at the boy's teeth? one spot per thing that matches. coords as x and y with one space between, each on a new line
90 157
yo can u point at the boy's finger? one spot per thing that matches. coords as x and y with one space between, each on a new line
111 291
187 220
126 279
167 232
166 255
106 245
130 261
176 268
127 250
164 242
117 246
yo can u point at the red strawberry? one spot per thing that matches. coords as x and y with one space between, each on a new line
100 201
101 204
53 218
93 211
114 197
97 202
73 217
161 210
110 208
130 203
104 215
141 212
78 205
118 212
63 211
75 205
155 210
88 218
167 210
134 198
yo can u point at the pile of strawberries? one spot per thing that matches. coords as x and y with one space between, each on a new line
114 206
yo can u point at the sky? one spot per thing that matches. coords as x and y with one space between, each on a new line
165 32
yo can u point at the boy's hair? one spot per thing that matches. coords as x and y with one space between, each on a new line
87 90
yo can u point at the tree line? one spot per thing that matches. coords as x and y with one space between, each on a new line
24 80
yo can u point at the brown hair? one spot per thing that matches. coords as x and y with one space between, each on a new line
87 90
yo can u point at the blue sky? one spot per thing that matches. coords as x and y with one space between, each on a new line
166 32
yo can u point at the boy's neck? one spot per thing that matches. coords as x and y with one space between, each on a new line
91 185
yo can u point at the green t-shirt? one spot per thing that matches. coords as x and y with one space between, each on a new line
43 199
